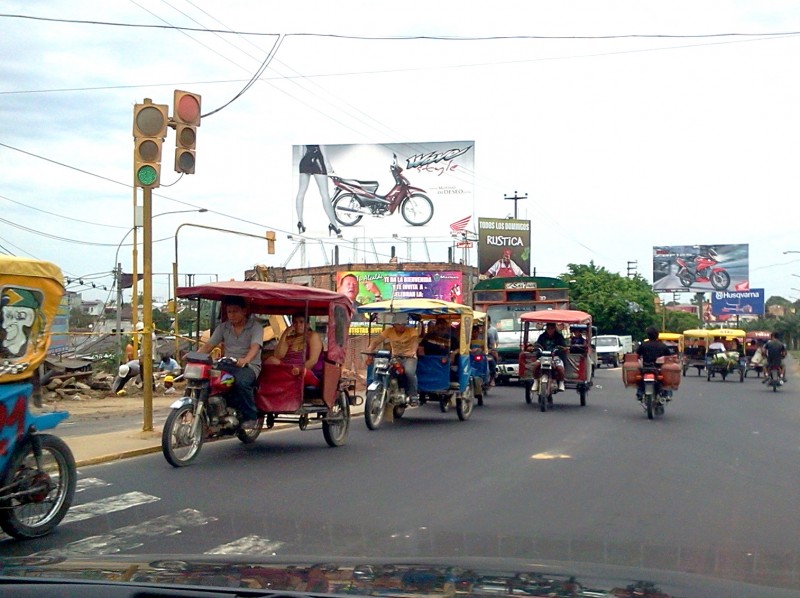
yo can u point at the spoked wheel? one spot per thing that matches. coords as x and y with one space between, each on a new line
347 209
464 404
444 405
179 443
336 424
248 435
417 209
43 493
373 407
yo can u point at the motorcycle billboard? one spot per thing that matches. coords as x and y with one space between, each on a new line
382 188
504 247
737 303
701 268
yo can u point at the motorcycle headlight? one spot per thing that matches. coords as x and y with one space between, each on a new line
381 362
194 371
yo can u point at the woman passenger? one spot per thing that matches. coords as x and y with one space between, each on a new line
300 347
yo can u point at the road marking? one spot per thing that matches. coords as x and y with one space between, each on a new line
248 545
86 483
132 536
545 456
108 505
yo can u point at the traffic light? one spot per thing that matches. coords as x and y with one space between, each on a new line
186 118
270 241
149 130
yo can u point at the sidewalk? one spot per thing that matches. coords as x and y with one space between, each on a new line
93 449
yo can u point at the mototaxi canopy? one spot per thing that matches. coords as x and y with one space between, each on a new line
559 316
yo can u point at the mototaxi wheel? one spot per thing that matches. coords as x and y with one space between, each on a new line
529 392
336 424
464 404
343 206
417 209
398 411
45 493
249 435
178 443
582 391
373 407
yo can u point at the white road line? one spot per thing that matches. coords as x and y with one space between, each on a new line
86 483
132 536
108 505
248 545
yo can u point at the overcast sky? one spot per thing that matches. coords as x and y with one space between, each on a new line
620 143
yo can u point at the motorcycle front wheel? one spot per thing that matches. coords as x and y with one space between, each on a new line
373 407
44 493
720 280
347 209
417 209
178 443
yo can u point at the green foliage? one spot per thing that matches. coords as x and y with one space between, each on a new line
677 321
618 305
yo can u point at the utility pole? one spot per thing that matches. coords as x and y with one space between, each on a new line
119 310
515 198
632 268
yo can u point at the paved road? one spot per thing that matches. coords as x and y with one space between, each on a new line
710 487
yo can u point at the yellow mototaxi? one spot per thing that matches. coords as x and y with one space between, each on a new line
733 360
695 346
437 381
673 340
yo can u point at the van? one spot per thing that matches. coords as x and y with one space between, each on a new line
610 350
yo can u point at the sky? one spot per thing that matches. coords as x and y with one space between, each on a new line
628 125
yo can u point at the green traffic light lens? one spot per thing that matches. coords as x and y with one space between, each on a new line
146 175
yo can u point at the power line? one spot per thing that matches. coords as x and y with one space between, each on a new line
59 215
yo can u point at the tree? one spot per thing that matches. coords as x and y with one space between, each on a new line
619 305
79 320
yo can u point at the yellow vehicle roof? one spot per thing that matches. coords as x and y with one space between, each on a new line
712 332
21 266
670 336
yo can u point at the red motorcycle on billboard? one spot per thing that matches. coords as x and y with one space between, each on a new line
703 268
354 199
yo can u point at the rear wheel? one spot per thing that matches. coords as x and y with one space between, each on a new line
248 435
648 403
336 424
373 407
346 209
44 492
464 404
179 443
582 393
399 411
528 392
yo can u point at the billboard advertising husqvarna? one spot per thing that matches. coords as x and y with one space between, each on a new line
701 268
382 189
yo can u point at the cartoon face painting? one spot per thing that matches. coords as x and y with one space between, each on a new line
19 315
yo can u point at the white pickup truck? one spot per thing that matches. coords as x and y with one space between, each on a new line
610 349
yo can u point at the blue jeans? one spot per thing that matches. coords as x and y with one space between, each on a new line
410 365
242 394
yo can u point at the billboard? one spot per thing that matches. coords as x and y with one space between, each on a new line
504 247
367 186
701 268
59 333
730 303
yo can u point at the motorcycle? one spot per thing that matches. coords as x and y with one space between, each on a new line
774 378
203 413
652 397
703 269
387 391
37 471
548 386
353 199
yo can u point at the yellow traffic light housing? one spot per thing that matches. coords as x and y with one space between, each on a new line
186 119
149 130
270 242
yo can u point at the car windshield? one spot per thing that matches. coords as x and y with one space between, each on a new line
633 160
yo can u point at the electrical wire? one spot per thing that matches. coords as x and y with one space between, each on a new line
19 203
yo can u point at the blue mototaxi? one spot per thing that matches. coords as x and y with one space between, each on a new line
479 360
440 379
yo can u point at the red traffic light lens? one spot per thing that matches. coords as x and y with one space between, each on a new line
188 109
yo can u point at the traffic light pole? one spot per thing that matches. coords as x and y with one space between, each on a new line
146 361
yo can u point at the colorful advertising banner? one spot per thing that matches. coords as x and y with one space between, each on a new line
730 303
368 287
700 268
504 247
383 188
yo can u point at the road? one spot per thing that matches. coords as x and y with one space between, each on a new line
710 487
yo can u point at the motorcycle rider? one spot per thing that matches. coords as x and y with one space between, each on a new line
242 336
404 342
649 351
776 351
549 340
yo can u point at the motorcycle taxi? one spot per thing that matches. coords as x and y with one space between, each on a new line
576 359
37 471
674 340
479 357
283 393
444 379
730 362
696 343
757 364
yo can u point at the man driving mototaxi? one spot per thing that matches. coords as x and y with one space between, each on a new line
550 340
404 341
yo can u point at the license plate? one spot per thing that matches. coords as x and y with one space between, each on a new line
649 377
